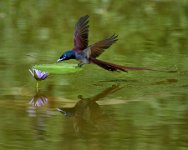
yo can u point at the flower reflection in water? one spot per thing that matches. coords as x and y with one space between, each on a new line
38 114
38 100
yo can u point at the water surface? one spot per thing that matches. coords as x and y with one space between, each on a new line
101 109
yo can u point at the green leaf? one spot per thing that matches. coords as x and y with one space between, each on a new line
60 68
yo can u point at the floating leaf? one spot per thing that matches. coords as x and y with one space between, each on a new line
61 68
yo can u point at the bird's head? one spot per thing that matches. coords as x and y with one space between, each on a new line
67 55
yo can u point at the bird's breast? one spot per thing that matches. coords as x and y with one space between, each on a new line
83 56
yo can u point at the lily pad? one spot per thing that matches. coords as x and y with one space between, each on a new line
61 68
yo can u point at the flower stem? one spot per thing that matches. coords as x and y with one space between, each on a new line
37 86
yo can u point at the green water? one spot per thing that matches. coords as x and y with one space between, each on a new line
138 110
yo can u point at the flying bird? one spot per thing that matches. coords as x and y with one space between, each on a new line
87 54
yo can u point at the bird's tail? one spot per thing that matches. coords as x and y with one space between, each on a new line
114 67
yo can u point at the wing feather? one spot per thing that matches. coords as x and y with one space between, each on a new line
99 47
81 33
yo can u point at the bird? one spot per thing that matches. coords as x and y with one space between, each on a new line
87 54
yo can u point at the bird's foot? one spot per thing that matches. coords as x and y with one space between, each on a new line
79 65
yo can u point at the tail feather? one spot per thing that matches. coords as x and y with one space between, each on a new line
114 67
108 66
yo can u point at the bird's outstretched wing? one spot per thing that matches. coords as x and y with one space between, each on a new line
99 47
81 33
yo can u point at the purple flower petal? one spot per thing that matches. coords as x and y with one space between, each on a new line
44 76
38 73
31 71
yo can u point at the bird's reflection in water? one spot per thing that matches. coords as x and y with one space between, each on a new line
39 112
87 115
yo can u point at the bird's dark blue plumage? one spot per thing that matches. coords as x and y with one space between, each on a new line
67 55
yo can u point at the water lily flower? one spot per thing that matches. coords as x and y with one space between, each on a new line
38 75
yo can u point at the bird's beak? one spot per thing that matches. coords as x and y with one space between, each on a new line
59 60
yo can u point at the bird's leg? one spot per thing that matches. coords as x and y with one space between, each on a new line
80 65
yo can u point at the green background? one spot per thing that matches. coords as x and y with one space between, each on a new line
149 109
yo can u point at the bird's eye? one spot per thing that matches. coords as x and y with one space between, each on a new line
63 56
